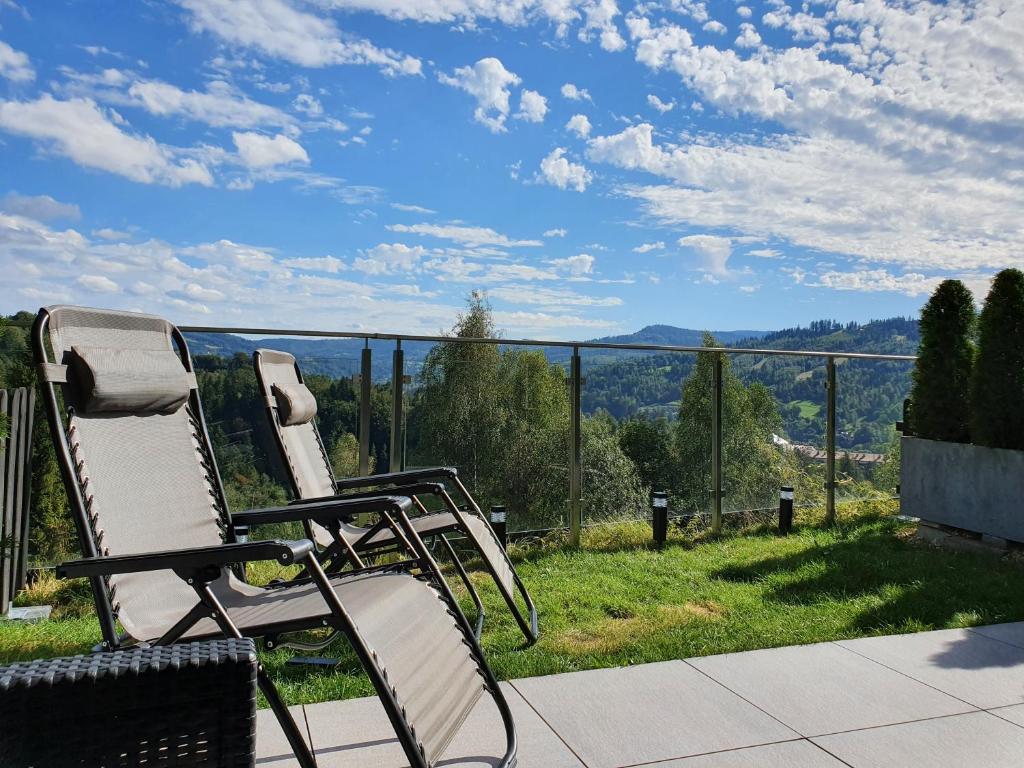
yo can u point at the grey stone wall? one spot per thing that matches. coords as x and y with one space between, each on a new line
966 486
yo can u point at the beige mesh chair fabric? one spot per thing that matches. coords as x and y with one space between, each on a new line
148 486
312 477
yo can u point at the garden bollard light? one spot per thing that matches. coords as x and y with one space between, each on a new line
498 523
659 517
785 509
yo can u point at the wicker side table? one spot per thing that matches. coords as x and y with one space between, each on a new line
192 705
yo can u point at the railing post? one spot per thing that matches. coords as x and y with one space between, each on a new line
397 411
575 443
365 413
716 444
830 444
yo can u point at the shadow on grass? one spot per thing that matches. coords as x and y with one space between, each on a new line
905 583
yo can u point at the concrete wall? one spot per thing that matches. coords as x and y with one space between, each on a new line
966 486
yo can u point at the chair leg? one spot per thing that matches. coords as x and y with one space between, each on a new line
284 717
478 628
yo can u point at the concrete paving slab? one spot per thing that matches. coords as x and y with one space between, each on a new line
974 739
1014 714
1007 633
824 688
357 734
624 716
272 748
788 754
977 669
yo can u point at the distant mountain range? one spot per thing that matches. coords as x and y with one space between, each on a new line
341 357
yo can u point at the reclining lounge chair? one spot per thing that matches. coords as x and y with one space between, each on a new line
291 411
159 541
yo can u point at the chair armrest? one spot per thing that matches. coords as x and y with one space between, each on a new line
395 478
323 512
284 552
411 490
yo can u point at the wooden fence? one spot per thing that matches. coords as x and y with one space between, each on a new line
15 489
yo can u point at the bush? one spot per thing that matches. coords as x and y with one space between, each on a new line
940 396
997 396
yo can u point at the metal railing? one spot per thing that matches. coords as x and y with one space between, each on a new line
575 398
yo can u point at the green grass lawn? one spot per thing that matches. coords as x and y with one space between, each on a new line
808 410
615 601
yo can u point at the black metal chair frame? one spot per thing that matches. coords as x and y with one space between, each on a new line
412 483
199 567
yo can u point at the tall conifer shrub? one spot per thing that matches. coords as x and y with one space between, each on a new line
997 394
940 396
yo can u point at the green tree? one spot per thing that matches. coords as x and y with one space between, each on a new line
527 471
612 488
997 393
940 395
458 422
886 476
648 444
345 456
751 464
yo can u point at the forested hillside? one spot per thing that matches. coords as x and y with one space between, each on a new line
869 394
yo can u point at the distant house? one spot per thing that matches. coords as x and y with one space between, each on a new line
863 458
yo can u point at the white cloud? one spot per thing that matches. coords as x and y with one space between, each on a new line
200 293
92 137
258 151
98 283
39 207
788 189
472 236
282 31
412 208
765 253
550 297
658 104
390 257
578 265
244 284
106 233
558 171
571 92
488 82
330 264
220 105
600 20
597 16
748 37
307 104
580 125
15 65
648 247
532 106
712 252
715 27
872 280
744 12
560 232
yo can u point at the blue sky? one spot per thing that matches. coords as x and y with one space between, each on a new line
594 166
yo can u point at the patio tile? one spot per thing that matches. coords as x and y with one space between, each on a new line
823 688
624 716
1014 714
357 734
1008 633
272 748
981 671
974 739
788 754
